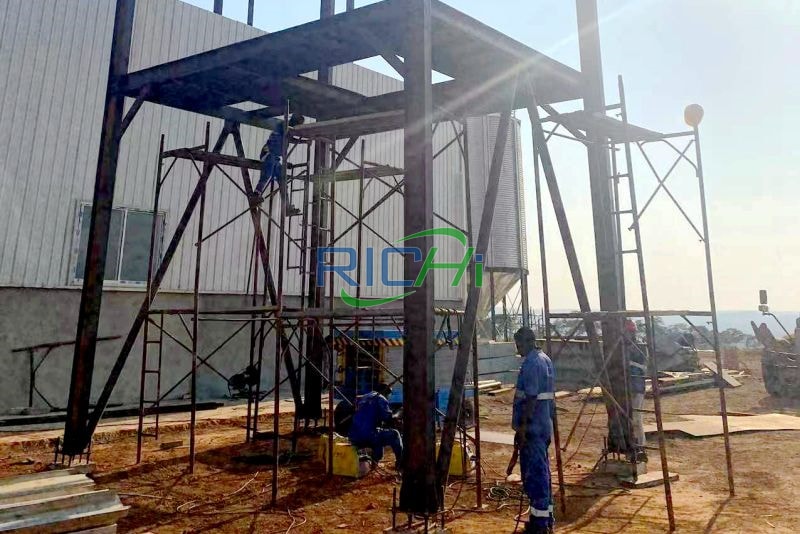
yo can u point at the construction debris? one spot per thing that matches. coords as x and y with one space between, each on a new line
702 426
57 501
725 375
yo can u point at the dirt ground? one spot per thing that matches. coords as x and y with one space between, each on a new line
230 489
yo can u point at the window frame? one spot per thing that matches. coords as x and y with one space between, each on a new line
76 280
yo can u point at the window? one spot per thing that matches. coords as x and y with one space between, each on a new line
128 244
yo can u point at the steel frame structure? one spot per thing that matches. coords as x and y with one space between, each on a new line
287 323
490 72
612 135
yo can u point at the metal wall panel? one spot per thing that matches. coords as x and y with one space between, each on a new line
507 246
56 54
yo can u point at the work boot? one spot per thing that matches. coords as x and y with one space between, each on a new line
255 199
534 528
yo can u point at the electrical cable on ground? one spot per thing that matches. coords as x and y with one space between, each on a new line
180 507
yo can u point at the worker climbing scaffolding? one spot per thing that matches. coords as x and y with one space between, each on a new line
272 164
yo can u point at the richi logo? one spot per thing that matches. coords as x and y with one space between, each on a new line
343 262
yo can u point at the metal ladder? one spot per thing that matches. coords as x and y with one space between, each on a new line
632 214
299 241
149 407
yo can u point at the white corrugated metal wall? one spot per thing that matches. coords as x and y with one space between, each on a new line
507 248
56 56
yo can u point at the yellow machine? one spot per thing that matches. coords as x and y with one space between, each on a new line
460 458
346 461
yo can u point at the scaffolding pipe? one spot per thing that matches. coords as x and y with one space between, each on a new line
196 305
713 302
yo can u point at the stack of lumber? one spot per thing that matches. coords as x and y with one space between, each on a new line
674 382
57 501
678 381
491 387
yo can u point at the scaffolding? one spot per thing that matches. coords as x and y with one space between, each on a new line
627 214
491 74
270 312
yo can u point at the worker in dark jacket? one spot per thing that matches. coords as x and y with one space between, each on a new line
272 159
373 414
532 420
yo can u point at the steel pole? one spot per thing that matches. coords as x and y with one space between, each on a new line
609 263
713 302
76 436
419 493
546 312
312 407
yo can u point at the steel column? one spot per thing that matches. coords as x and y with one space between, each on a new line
76 434
312 408
468 324
609 263
419 493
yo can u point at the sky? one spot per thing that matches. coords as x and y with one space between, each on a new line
738 59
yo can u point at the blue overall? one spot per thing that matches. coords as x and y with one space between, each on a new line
536 381
271 168
373 410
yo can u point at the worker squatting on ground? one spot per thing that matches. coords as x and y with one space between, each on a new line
637 371
271 163
372 413
532 421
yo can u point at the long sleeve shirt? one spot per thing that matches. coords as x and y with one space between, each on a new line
535 388
372 410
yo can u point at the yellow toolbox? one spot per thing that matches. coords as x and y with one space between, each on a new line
460 457
345 457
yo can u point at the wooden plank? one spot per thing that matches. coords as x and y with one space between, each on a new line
8 481
108 529
701 426
58 491
38 487
685 386
726 377
500 391
87 510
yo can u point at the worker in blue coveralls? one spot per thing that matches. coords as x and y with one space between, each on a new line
532 421
271 163
373 416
